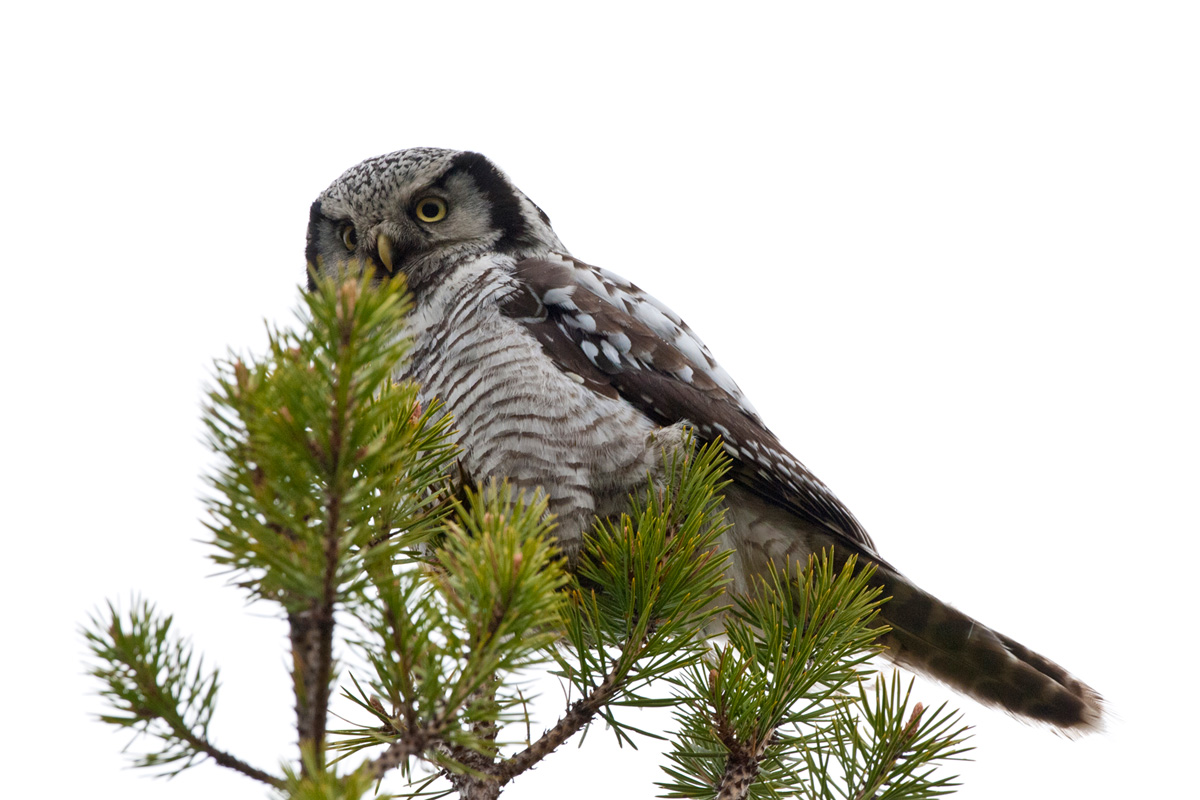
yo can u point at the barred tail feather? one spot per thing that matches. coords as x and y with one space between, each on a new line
932 638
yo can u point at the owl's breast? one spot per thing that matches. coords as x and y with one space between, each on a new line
518 415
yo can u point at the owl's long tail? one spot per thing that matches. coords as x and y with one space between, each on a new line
932 638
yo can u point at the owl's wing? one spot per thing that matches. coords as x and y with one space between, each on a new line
621 342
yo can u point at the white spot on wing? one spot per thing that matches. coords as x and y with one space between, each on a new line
560 296
620 341
584 322
690 348
590 281
654 319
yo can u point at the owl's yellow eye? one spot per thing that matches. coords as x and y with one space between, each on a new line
431 209
349 237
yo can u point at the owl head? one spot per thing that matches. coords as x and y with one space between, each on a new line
419 212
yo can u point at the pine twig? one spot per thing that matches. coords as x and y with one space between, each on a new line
149 677
582 712
478 783
229 761
413 743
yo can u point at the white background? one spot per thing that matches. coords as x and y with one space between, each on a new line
949 249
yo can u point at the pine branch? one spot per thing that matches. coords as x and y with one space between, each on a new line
740 771
655 576
771 713
444 641
576 719
150 680
311 630
667 544
328 472
886 751
414 743
325 460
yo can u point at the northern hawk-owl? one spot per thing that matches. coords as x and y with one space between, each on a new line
564 376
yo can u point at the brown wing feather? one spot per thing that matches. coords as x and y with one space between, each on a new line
570 320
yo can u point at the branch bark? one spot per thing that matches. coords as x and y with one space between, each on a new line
472 787
231 762
582 712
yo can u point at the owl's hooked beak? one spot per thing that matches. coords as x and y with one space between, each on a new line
387 251
383 247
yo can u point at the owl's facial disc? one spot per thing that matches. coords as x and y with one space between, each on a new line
422 212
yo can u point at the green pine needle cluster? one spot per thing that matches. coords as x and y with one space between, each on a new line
328 467
773 712
446 642
647 585
152 684
879 748
336 498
